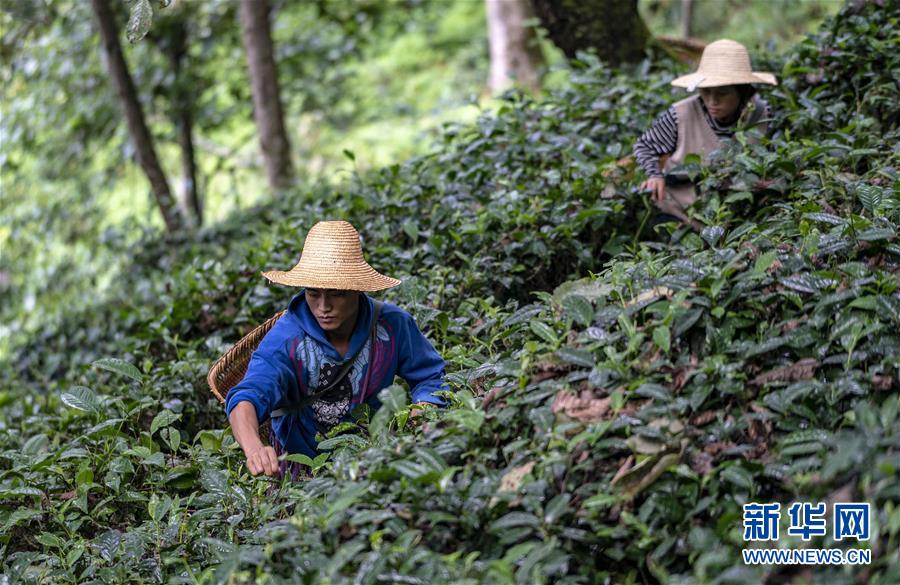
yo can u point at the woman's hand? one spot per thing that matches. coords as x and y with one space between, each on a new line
262 460
657 188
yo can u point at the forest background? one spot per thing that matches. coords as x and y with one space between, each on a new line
363 84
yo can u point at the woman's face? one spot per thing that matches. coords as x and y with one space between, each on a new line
722 102
333 309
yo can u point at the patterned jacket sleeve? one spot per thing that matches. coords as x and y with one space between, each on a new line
419 363
660 139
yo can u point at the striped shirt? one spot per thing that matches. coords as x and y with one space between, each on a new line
662 137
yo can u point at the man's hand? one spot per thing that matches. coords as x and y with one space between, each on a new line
657 188
262 460
419 408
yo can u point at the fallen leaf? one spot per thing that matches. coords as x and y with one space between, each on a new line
623 469
802 370
586 409
883 382
656 292
642 475
510 482
512 479
702 418
701 462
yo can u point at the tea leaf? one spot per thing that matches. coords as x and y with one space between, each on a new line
121 367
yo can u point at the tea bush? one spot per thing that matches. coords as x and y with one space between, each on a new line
617 394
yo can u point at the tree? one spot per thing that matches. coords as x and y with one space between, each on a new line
134 115
515 54
687 18
613 27
276 149
172 40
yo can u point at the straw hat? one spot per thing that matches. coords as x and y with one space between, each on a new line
724 62
332 259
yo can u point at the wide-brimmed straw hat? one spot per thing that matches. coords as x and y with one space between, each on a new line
724 62
332 258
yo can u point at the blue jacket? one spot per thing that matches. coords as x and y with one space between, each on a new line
290 357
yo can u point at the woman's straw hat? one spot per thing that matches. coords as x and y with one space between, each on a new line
724 62
332 259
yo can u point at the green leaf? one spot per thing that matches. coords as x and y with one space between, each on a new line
581 309
871 197
320 460
738 476
543 331
431 458
299 458
412 229
409 469
826 218
355 442
662 338
84 477
600 501
556 508
50 539
138 451
712 234
513 520
18 516
20 492
875 234
140 20
210 440
172 437
81 398
108 544
888 307
655 391
214 481
579 357
763 262
74 554
35 444
866 303
121 367
163 419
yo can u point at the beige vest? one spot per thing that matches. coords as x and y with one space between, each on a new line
695 136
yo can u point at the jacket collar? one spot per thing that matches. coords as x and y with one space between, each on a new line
307 322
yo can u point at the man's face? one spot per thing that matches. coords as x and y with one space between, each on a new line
333 308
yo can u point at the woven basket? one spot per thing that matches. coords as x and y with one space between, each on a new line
231 367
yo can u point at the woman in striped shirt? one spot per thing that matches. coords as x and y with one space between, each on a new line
727 101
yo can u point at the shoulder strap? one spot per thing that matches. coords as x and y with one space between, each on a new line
345 369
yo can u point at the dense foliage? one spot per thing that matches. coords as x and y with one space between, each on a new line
368 77
619 392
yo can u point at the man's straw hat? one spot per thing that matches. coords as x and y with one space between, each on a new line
724 62
332 259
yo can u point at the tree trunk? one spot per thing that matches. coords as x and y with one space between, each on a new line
515 53
134 115
687 18
276 149
176 48
613 27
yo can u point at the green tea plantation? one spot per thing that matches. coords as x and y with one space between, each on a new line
619 390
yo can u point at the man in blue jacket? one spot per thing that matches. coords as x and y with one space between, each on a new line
334 349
